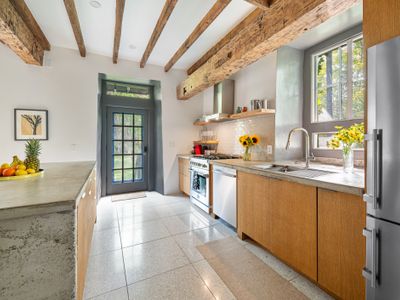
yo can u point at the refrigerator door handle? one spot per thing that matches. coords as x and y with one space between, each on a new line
371 275
373 198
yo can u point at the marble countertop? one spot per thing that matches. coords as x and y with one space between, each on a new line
186 156
352 183
60 185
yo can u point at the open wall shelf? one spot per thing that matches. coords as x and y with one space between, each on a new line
243 115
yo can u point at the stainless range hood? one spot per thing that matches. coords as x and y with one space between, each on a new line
223 101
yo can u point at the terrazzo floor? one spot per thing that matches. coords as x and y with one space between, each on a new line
146 249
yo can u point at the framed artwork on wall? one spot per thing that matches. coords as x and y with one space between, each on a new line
30 124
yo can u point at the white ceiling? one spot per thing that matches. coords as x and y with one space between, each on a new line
331 27
140 18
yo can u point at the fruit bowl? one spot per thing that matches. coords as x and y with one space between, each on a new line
10 178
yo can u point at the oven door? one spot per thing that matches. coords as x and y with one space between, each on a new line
199 188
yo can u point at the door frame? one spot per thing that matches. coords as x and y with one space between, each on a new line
106 102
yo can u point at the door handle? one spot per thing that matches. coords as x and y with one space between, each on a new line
374 198
225 174
145 149
371 274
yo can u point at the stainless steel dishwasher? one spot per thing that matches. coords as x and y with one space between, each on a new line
224 194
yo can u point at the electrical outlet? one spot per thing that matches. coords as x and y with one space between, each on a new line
269 149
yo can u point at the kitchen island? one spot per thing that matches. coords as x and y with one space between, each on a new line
46 226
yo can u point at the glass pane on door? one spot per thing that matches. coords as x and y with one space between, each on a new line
127 147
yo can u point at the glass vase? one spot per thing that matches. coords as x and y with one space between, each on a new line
247 154
348 159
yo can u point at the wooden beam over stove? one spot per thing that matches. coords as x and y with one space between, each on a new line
213 13
26 15
247 21
162 20
267 31
119 13
17 36
76 27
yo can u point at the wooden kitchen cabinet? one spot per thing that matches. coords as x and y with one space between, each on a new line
293 215
282 217
184 175
253 208
341 245
86 217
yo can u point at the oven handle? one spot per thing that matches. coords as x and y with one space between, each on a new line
200 173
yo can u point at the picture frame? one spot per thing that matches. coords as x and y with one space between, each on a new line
31 124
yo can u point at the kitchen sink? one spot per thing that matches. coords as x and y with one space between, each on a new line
309 173
293 171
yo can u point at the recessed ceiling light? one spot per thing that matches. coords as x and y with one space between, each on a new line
133 47
95 4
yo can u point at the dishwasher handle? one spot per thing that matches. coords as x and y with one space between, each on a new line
225 174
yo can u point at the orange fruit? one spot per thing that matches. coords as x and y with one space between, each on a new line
8 172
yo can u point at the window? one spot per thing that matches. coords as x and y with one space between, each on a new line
127 90
339 82
320 141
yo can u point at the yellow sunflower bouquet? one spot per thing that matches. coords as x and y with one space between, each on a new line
347 137
248 141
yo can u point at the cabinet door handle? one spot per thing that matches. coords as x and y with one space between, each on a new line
371 274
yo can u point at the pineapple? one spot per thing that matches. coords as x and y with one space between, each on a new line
32 151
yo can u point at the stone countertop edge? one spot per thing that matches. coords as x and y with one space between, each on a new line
185 156
355 184
65 192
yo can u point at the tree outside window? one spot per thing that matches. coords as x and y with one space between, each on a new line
339 82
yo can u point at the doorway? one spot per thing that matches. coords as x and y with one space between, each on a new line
130 144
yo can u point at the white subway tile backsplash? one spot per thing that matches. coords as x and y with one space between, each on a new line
228 134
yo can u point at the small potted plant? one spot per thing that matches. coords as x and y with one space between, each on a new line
248 141
347 137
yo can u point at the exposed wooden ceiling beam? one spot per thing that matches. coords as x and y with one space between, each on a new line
26 15
76 27
263 4
247 21
119 13
17 36
213 13
162 20
284 21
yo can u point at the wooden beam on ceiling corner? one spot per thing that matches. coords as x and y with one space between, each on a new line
76 27
26 15
247 21
162 20
17 36
263 4
267 31
119 13
212 14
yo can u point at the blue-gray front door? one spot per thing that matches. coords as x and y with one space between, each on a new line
127 150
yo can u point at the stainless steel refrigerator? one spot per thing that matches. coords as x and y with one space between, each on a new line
382 270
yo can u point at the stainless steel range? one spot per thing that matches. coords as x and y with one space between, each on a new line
200 179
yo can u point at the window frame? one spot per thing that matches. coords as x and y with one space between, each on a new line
348 42
328 126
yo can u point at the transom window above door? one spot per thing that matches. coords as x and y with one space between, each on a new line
339 82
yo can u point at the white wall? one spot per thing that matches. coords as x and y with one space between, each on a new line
257 81
68 88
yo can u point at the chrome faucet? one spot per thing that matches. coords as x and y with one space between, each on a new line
308 153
